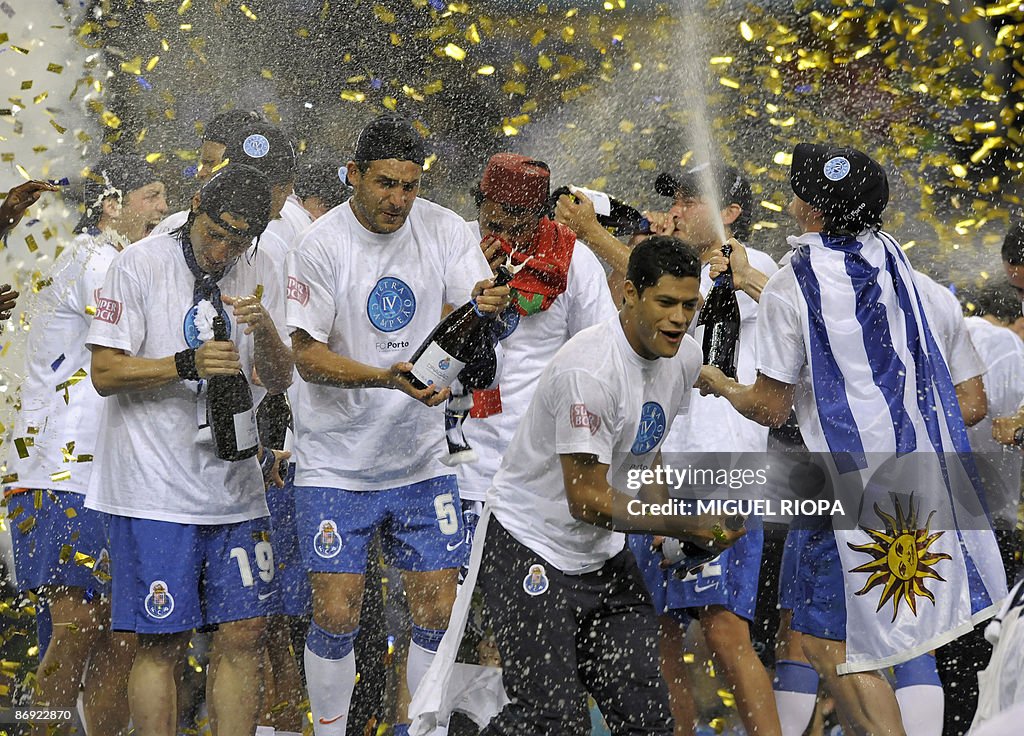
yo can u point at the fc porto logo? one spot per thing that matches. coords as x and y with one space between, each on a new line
836 169
651 429
159 602
101 567
444 364
536 581
192 331
326 541
507 322
391 305
256 146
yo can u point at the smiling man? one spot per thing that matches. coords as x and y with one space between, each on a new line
367 283
190 531
563 592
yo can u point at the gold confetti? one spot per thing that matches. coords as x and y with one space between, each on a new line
248 13
485 71
30 242
454 52
54 68
19 49
22 444
60 476
70 513
21 170
59 128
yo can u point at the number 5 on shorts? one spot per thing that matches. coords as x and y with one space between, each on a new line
447 515
264 561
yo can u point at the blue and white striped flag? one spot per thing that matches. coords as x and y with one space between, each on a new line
923 566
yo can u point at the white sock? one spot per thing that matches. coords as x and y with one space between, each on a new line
330 683
415 669
922 709
795 711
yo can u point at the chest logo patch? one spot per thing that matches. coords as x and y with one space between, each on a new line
391 304
651 429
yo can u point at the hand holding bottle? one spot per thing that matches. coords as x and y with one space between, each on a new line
490 298
398 378
576 212
491 245
217 358
737 259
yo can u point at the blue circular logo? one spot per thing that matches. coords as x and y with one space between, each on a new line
256 146
391 305
507 322
836 168
651 429
192 332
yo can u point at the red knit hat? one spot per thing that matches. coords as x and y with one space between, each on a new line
519 181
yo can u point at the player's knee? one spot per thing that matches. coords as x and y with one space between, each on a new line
336 602
244 636
723 629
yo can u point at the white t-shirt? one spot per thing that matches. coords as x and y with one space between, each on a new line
375 298
596 397
1002 352
712 424
781 353
529 347
292 221
59 405
152 462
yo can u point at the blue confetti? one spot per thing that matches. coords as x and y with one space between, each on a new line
32 222
804 88
62 182
56 364
143 83
189 172
376 83
437 4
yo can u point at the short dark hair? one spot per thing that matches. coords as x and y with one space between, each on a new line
1013 245
660 255
995 298
322 179
224 127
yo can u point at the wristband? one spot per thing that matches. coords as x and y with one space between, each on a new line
185 365
267 460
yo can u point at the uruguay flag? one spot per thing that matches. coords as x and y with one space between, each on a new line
920 565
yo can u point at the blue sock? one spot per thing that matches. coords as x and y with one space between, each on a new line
327 644
918 671
795 677
401 729
429 639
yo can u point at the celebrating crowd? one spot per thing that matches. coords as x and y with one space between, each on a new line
137 538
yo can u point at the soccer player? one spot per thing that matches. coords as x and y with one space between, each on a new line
567 602
838 357
189 531
367 283
55 440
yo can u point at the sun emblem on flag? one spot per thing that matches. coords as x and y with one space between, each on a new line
901 561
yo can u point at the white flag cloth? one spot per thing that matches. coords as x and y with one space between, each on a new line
922 566
1002 682
451 686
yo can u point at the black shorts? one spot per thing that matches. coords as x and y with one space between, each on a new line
564 636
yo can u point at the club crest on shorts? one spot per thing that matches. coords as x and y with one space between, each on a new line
159 602
101 567
536 581
326 541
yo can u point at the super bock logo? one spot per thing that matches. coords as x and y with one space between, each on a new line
326 541
159 602
391 304
651 428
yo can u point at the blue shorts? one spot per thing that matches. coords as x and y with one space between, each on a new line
729 580
789 568
421 526
292 578
820 607
172 577
655 578
61 543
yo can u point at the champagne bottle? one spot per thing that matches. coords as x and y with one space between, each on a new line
720 317
229 410
613 214
461 338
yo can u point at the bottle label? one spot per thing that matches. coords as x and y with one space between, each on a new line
437 368
246 434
